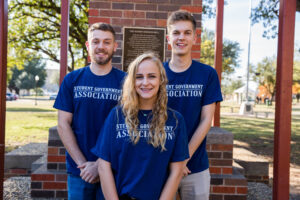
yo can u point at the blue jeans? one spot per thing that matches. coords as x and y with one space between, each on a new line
78 189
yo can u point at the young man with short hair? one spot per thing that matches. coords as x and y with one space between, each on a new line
193 90
85 98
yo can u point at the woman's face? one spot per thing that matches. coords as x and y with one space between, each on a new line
147 81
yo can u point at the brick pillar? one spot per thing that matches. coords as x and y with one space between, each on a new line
142 13
226 183
50 180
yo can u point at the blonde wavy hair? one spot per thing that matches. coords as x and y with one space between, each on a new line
130 104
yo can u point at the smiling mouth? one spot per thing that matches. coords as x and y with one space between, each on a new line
181 45
146 89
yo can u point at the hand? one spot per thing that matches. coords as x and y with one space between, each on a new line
89 172
186 171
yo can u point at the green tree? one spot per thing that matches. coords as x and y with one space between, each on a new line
231 52
229 86
25 78
267 12
15 73
34 25
265 74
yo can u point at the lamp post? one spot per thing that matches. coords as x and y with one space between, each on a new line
36 78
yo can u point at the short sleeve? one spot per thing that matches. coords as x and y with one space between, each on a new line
213 91
181 149
103 145
64 99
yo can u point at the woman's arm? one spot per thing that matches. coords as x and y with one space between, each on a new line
107 180
173 180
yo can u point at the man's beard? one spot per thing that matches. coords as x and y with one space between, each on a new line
102 61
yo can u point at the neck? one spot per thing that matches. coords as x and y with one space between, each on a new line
100 70
146 104
180 63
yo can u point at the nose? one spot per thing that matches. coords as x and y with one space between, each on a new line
100 45
181 36
145 81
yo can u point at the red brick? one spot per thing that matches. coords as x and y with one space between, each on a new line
52 151
239 182
195 55
242 190
147 7
124 22
186 2
110 13
158 1
144 22
54 185
18 171
156 15
215 162
235 197
122 6
226 170
134 14
42 177
215 170
61 177
162 22
56 158
221 147
102 5
196 48
169 8
197 2
208 147
192 9
93 12
93 20
223 189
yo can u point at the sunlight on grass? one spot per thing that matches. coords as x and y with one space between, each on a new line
26 123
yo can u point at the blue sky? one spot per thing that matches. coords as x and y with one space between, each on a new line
236 28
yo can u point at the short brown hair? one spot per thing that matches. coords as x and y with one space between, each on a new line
102 27
181 15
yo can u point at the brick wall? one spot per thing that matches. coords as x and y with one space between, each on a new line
142 13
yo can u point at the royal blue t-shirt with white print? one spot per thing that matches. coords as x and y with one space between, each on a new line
89 98
140 170
188 92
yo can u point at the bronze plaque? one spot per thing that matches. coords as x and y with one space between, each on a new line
139 40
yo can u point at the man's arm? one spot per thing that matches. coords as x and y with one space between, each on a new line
207 114
88 169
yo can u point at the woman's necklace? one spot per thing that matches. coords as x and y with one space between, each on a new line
144 114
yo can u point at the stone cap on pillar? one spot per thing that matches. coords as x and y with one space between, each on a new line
217 135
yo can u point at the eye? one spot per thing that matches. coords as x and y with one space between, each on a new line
152 76
138 77
176 33
188 32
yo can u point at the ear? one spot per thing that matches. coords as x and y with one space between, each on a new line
195 38
87 45
168 39
115 46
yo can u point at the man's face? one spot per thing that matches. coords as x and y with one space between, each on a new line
101 46
181 37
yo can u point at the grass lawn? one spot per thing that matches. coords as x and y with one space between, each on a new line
27 123
258 133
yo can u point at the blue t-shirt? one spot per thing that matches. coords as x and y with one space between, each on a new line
188 92
141 170
89 98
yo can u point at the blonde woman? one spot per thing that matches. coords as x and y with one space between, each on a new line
143 144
